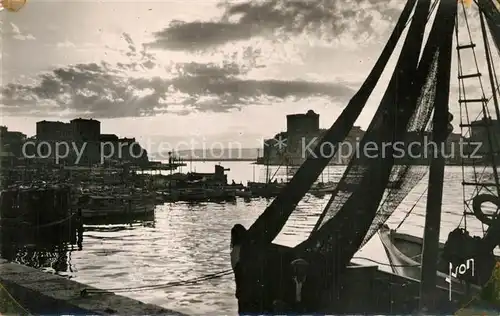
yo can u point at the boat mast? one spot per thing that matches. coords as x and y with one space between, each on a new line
493 150
440 132
268 176
489 62
286 168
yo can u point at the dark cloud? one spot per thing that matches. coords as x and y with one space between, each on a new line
105 91
196 35
278 18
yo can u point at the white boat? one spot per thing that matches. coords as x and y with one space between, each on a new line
405 254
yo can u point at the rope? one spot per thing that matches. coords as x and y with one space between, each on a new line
217 275
14 300
57 222
207 277
411 210
52 223
388 264
491 279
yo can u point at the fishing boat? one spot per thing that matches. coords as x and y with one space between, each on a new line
109 206
202 194
266 190
405 256
403 250
244 193
415 102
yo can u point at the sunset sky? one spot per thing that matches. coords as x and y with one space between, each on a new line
167 70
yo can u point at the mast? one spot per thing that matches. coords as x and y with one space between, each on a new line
267 169
430 251
490 64
494 149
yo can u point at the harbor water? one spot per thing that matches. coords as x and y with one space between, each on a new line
186 241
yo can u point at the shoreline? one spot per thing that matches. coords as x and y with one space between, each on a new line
40 293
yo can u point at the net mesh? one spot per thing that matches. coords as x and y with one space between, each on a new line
272 220
410 98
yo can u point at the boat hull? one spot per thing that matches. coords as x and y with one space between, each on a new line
355 289
404 253
88 213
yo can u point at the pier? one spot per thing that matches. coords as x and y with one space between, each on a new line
31 291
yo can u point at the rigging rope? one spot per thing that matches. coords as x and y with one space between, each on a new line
412 208
191 281
51 223
217 275
13 300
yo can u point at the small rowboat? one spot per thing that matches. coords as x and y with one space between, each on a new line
405 255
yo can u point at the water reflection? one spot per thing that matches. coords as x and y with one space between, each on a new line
121 219
50 249
185 241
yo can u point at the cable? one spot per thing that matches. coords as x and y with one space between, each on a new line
216 275
497 266
14 300
220 274
388 264
56 222
412 208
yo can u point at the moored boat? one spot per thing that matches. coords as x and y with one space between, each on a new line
102 206
405 254
350 218
244 193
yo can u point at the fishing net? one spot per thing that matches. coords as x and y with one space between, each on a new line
361 164
492 13
272 220
406 106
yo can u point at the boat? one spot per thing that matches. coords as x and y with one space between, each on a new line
265 190
167 196
416 100
217 194
405 256
191 194
108 206
201 194
403 250
244 193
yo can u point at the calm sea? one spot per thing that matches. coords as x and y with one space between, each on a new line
187 241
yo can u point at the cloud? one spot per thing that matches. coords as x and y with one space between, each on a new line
281 18
65 44
98 91
104 90
18 35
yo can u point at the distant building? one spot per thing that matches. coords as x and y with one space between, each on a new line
11 145
86 134
486 131
53 131
77 133
303 134
122 149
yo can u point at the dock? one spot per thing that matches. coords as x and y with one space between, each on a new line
34 292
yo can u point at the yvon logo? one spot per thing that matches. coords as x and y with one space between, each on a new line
12 5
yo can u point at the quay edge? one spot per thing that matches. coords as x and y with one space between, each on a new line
42 293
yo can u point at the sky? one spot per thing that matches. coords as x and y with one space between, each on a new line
210 70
